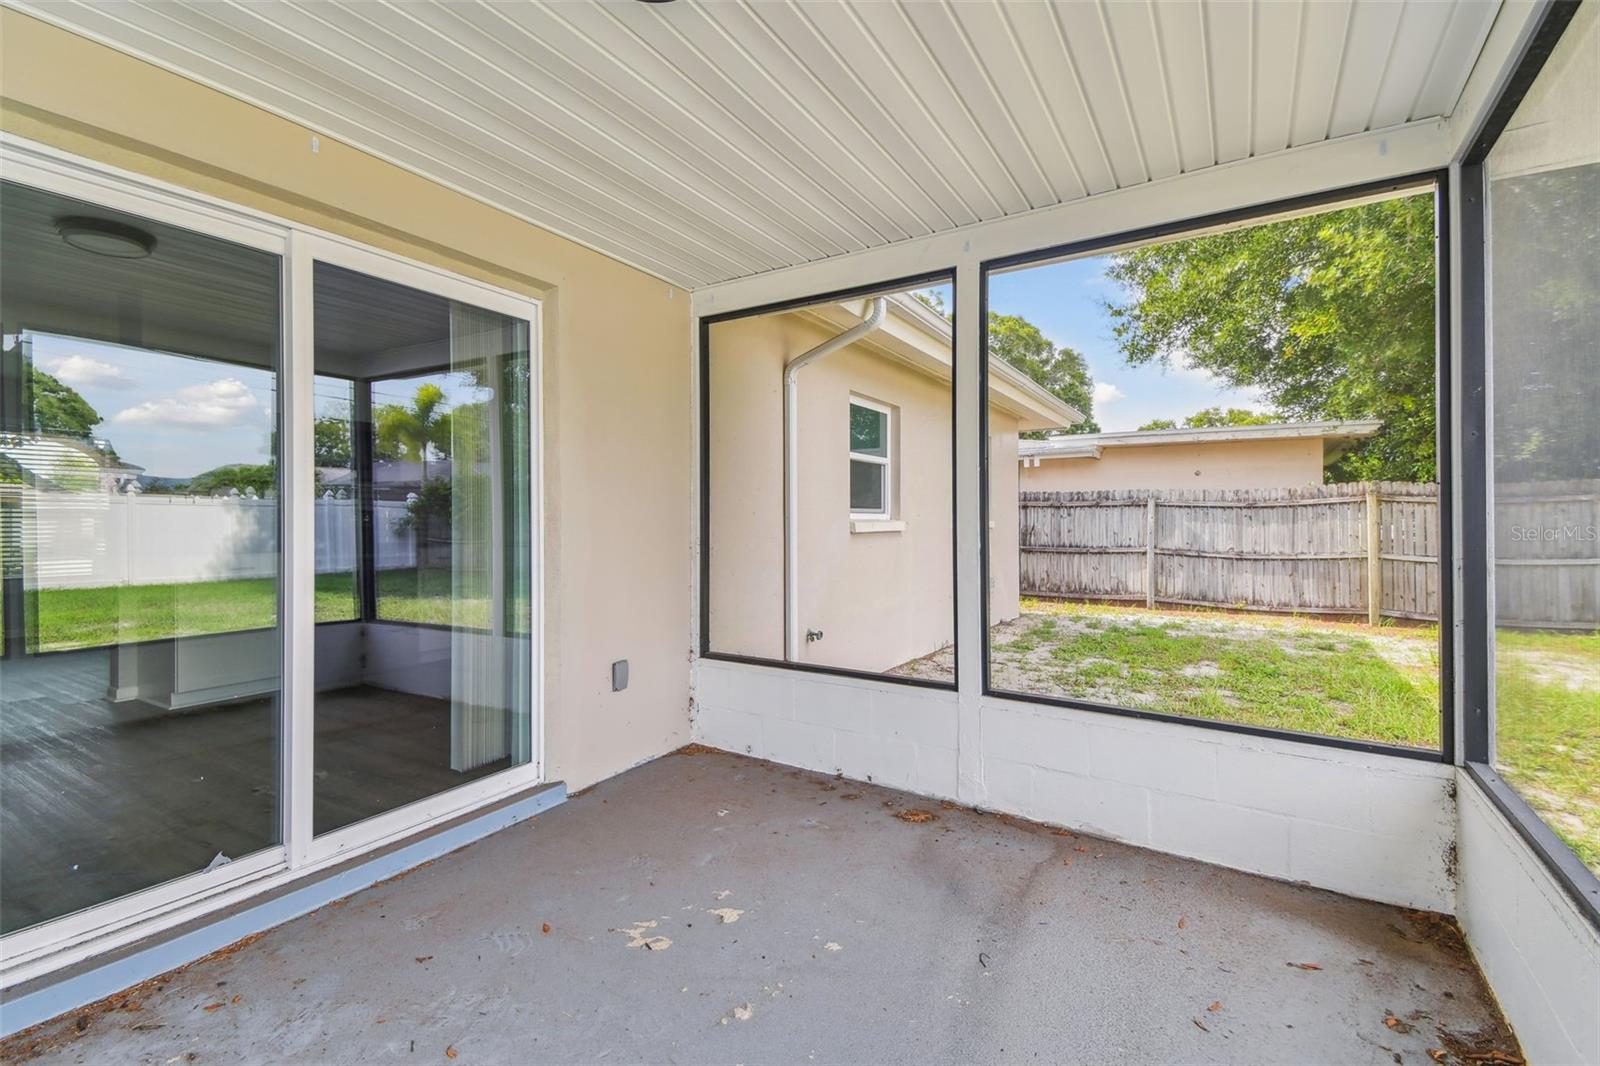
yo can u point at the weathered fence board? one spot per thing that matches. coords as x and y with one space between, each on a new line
1307 550
1303 550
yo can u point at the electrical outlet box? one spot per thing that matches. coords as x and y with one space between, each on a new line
619 675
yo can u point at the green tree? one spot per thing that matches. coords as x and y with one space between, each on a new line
1061 370
1215 418
263 477
60 409
330 441
1330 316
412 432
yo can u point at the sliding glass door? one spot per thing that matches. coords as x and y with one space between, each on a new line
430 687
269 549
139 461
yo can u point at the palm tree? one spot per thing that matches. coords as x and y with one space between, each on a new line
408 432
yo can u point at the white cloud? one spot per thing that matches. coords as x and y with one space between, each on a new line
1105 392
217 403
82 371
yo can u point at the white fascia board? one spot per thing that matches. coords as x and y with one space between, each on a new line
1328 165
1071 447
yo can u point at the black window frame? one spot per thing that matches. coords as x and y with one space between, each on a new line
1331 199
704 650
1477 569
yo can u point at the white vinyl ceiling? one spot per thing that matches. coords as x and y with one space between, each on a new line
704 140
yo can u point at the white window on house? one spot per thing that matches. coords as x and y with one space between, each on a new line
871 462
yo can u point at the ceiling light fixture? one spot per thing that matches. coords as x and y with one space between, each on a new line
102 236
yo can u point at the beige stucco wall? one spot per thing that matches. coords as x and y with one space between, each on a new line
616 361
880 598
1256 464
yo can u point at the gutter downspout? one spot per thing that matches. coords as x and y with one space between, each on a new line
791 462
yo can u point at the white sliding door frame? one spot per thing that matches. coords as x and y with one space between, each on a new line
40 949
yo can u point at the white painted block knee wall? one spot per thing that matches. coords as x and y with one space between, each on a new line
1371 826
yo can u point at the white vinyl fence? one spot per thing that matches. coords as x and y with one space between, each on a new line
97 539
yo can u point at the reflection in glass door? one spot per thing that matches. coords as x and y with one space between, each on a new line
139 473
430 685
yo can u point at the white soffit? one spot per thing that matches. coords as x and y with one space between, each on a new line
707 140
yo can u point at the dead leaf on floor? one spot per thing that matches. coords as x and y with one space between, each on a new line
423 958
916 816
545 928
236 999
850 796
1183 923
450 1052
1438 1054
1215 1007
1397 1025
209 1007
1303 965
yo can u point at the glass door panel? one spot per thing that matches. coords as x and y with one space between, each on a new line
432 686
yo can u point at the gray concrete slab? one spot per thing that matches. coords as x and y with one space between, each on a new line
713 908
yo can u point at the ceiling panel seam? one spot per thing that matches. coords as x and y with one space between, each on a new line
1039 95
646 221
818 250
850 236
1122 88
730 231
820 126
849 69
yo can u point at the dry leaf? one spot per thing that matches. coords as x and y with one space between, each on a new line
1303 965
1182 922
1438 1054
450 1052
1215 1007
212 1006
545 928
424 958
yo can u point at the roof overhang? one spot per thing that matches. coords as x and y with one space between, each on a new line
1337 437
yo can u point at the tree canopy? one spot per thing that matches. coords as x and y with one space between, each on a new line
1061 370
408 432
59 408
1215 417
263 477
1330 316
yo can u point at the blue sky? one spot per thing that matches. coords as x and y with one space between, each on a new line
171 414
1065 300
178 416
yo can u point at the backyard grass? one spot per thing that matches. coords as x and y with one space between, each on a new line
1312 675
88 617
1547 710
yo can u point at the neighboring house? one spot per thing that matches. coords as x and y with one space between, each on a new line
1282 455
875 550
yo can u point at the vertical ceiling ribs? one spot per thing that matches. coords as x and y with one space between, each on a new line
705 141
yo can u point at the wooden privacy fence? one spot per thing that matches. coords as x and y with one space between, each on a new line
1547 554
1367 549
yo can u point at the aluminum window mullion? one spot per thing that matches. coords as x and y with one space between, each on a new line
297 571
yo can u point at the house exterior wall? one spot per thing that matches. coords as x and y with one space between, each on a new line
1246 464
615 347
880 598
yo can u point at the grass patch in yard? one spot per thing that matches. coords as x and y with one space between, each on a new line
91 617
1547 734
1333 679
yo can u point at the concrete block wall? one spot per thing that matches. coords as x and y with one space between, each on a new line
1372 826
1539 953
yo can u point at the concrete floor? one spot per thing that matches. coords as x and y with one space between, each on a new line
712 908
